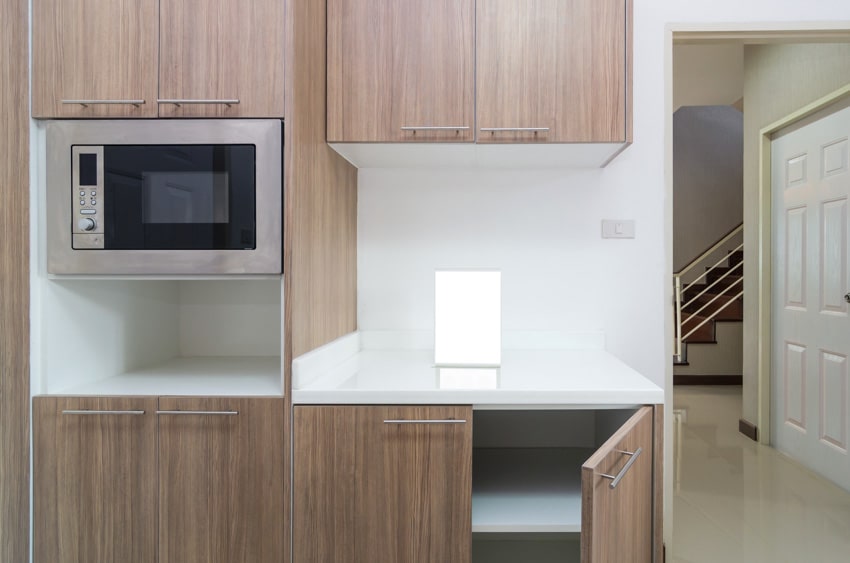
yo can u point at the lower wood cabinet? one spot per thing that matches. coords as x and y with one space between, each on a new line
382 484
413 484
217 464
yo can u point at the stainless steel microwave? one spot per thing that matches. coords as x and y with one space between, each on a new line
164 197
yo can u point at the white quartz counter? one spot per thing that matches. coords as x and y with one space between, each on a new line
346 373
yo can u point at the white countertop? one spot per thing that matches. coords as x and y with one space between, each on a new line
344 373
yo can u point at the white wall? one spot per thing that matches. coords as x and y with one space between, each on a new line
707 75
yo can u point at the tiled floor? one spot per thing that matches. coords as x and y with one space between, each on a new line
736 501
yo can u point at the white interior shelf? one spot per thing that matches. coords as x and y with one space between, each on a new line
527 490
248 376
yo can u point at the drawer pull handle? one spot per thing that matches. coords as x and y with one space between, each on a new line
515 129
434 128
179 102
615 480
200 413
86 103
102 412
445 421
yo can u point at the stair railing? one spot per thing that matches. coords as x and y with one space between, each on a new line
722 248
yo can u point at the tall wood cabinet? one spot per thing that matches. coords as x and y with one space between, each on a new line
382 484
400 71
148 58
144 480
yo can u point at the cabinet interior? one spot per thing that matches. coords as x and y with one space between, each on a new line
526 480
159 337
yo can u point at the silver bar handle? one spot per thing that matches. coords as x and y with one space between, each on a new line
515 129
616 479
204 413
102 412
434 128
86 103
430 421
179 102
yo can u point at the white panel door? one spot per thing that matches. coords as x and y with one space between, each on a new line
811 327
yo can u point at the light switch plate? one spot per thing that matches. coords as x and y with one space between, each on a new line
618 228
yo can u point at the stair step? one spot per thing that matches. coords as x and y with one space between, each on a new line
734 312
718 273
736 257
703 335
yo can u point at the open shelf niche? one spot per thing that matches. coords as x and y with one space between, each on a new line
161 337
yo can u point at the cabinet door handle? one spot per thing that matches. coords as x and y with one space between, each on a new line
86 103
434 128
102 412
515 129
433 421
179 102
615 480
199 413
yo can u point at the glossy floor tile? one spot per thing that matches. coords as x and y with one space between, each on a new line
737 501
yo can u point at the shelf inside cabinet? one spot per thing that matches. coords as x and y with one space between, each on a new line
248 376
527 490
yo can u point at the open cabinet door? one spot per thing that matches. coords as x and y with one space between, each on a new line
616 489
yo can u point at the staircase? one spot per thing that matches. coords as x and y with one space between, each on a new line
710 308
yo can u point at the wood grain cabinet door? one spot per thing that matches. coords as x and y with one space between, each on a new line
94 480
221 58
400 70
551 70
221 480
103 53
382 484
617 495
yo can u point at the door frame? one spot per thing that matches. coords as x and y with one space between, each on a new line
765 246
751 33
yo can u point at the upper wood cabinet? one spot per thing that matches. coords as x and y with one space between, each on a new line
400 71
382 484
552 70
149 58
221 58
94 480
221 480
95 51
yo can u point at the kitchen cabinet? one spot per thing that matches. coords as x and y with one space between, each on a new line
382 484
222 58
531 485
141 479
541 71
220 480
552 71
94 480
94 58
144 58
400 71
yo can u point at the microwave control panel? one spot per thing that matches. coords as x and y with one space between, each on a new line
87 197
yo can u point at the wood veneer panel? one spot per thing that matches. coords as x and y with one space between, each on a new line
221 481
94 481
397 64
370 491
617 523
552 63
222 49
14 283
94 50
320 240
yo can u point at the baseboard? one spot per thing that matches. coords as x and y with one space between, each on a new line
748 429
708 380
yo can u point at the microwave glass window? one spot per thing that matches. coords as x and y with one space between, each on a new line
179 197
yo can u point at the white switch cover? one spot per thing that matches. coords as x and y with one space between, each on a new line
618 228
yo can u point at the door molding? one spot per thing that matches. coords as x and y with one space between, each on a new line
830 102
